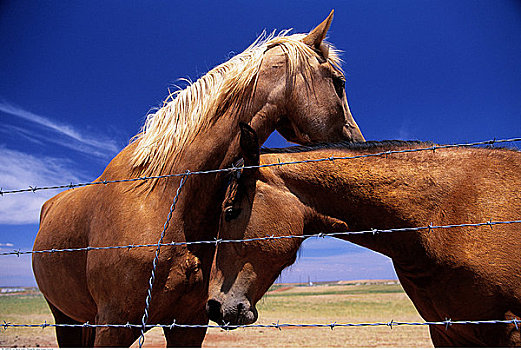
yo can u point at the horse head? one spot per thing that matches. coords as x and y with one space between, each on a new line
243 272
302 90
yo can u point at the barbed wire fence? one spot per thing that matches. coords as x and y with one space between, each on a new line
447 323
216 241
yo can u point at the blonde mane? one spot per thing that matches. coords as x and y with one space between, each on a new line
185 113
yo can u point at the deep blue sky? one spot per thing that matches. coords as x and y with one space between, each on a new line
77 79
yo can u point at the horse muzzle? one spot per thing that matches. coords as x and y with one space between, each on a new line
231 312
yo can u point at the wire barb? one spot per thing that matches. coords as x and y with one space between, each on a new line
448 322
173 324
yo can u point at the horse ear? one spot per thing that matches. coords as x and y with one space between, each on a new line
249 145
316 36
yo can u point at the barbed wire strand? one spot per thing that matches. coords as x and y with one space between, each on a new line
448 322
217 241
233 168
156 259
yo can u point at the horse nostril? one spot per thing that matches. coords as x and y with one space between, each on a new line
213 309
240 307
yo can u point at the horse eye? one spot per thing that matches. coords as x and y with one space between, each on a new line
340 85
231 213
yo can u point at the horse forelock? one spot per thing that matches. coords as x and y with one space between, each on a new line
185 113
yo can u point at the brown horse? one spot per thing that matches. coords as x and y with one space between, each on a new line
458 274
289 83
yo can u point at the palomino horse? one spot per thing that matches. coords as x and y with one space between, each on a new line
289 83
458 274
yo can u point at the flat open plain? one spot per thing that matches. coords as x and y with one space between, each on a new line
348 302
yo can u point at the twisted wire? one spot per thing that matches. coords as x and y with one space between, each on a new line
156 258
234 168
218 241
447 323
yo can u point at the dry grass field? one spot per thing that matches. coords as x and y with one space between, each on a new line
341 303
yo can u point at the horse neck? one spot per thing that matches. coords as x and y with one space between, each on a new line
375 192
214 148
416 189
218 146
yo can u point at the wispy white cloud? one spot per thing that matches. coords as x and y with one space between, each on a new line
21 170
59 133
6 245
23 133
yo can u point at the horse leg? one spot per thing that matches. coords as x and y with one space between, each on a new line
184 337
455 336
114 336
494 335
187 337
439 337
71 337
